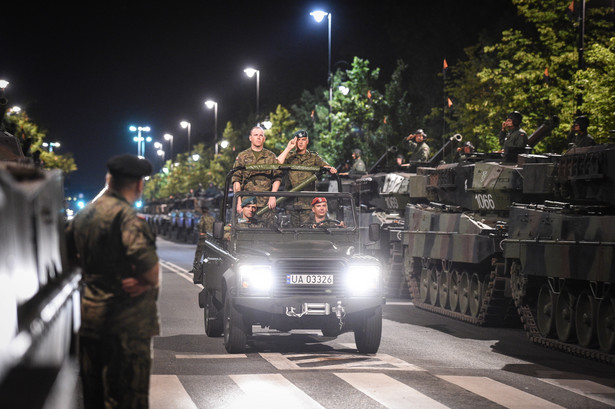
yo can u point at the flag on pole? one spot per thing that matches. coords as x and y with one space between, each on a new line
570 10
444 65
545 78
369 94
450 103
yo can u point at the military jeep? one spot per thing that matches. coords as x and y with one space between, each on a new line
282 276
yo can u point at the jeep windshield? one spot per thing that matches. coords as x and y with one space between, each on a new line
295 211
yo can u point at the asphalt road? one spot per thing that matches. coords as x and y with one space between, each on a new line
424 361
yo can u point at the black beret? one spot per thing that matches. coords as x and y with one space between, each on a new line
129 166
300 134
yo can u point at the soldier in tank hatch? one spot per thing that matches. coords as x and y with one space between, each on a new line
418 146
511 135
578 136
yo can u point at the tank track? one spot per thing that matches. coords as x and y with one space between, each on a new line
531 329
495 307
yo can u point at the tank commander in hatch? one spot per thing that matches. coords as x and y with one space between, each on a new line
578 136
358 166
511 135
418 147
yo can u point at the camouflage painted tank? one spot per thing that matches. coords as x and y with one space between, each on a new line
559 255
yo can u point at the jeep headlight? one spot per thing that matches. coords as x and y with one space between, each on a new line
363 279
256 277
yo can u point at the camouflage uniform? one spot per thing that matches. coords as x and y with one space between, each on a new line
112 243
260 181
420 152
303 208
206 224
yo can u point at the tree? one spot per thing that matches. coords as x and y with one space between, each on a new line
534 70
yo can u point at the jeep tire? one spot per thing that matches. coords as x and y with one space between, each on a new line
368 331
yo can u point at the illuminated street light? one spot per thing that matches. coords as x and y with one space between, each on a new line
139 139
267 124
169 137
250 73
186 124
224 144
51 145
213 104
196 157
344 90
318 16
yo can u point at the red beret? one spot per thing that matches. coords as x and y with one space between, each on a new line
319 200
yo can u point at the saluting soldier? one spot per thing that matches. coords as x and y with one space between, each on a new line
266 180
419 148
119 316
303 157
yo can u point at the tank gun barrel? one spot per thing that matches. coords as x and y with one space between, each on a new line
390 149
447 149
543 130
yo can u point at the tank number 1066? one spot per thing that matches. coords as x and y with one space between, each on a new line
484 201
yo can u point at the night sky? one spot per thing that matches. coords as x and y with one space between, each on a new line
85 73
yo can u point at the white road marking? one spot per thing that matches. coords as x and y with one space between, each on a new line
388 391
499 393
274 391
586 388
355 361
183 273
166 392
211 356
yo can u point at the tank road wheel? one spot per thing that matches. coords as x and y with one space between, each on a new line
443 288
214 322
234 328
585 319
564 316
476 295
433 286
545 305
606 324
424 285
368 331
464 292
453 290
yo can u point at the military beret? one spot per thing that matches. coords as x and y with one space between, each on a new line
251 200
129 166
319 200
300 134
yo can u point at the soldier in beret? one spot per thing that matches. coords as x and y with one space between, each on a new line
248 212
303 157
320 208
120 276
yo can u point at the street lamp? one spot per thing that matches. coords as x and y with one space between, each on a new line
139 139
51 145
213 104
250 73
186 124
169 137
318 16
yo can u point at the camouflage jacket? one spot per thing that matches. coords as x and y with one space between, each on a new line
516 138
111 242
306 159
420 152
256 180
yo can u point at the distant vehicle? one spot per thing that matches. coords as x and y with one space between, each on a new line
282 276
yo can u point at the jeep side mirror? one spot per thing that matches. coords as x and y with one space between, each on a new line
218 230
374 232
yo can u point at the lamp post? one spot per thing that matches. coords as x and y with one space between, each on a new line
3 101
186 124
318 16
250 73
213 104
139 139
51 145
169 137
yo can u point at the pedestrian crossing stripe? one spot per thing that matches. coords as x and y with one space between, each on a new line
272 391
500 393
336 361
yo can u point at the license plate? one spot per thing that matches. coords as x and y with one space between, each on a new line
309 279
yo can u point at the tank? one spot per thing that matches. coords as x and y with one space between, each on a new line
39 302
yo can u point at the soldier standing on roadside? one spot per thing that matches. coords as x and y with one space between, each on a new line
267 180
302 157
119 315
